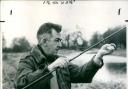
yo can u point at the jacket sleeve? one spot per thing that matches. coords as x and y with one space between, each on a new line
85 73
26 74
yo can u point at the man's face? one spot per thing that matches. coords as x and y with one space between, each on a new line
54 43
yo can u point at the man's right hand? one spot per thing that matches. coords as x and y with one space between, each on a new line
60 62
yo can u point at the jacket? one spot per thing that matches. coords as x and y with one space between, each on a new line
34 65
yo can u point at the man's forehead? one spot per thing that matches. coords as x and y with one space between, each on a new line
55 33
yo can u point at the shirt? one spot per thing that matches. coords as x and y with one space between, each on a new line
53 81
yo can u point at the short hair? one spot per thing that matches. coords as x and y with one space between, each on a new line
47 28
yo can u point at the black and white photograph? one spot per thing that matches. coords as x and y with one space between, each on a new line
63 44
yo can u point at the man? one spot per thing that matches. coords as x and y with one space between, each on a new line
43 59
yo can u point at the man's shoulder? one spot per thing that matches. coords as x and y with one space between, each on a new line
26 57
27 61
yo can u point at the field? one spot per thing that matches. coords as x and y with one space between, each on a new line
117 72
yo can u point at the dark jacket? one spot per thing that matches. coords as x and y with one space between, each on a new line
34 65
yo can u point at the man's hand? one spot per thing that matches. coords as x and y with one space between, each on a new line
105 50
60 62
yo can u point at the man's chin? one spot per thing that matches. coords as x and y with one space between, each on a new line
55 53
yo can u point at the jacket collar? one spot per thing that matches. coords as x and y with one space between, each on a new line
38 55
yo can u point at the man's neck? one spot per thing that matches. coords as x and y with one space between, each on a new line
42 50
50 58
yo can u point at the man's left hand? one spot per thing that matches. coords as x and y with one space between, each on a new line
105 50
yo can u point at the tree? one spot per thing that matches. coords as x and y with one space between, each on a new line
96 37
74 41
3 42
67 40
20 45
119 39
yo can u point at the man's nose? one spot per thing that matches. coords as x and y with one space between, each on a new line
60 44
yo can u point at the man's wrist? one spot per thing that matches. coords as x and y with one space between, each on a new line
98 59
99 55
51 67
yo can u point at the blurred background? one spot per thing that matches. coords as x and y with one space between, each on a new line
84 23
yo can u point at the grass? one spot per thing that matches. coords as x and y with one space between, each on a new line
100 85
10 63
119 68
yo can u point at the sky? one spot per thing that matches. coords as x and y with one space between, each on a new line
85 16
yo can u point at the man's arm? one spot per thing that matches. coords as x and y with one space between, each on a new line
86 72
26 74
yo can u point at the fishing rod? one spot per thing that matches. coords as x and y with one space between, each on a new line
98 43
114 33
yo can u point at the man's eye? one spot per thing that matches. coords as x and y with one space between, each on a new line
58 40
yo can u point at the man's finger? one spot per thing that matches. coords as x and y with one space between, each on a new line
113 45
110 48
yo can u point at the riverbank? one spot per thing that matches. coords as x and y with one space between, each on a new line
118 52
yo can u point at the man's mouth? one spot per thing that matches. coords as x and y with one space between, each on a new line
57 49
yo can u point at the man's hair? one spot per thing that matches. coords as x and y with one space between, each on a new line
47 28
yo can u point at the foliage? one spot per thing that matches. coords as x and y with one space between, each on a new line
95 38
119 39
6 49
20 45
3 41
74 41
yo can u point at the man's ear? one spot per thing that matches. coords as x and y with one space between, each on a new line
43 41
